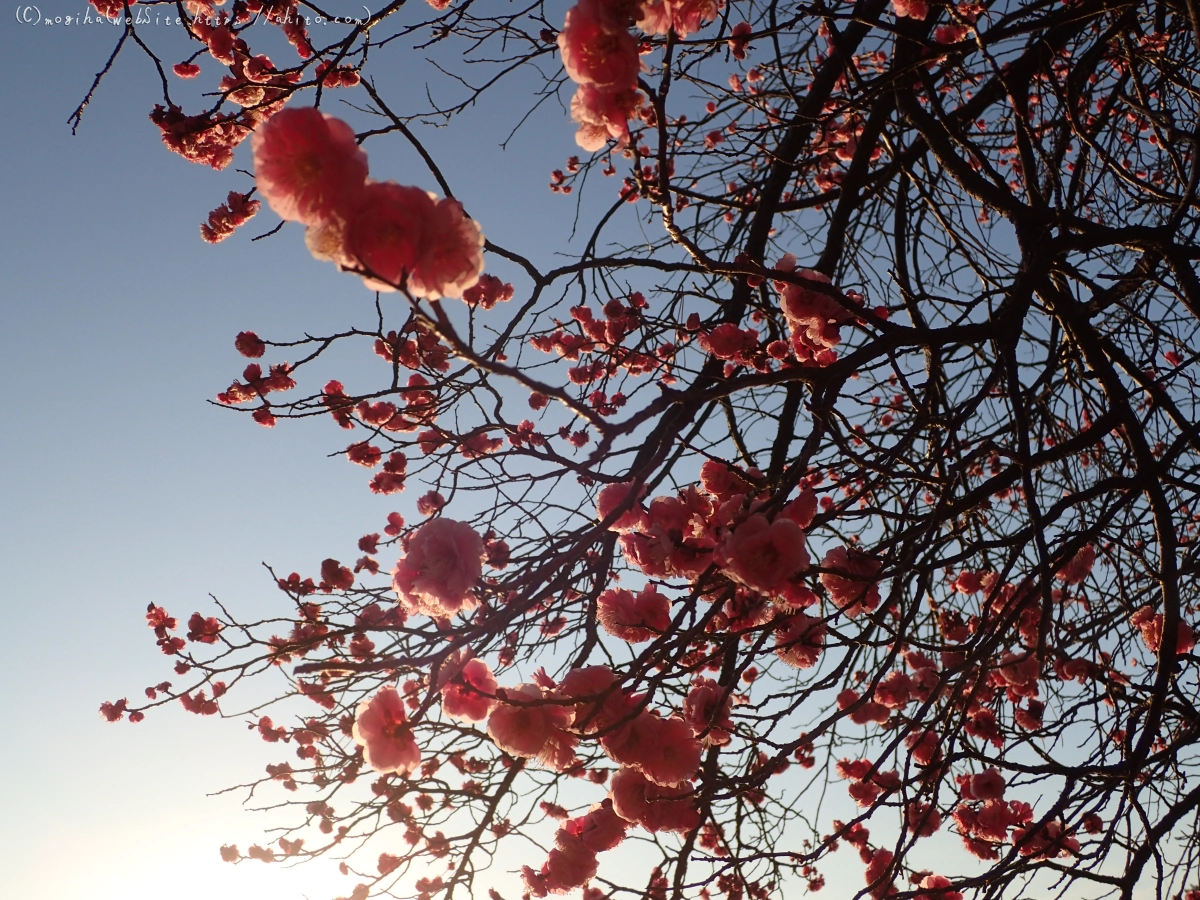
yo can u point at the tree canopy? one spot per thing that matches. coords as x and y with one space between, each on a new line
837 487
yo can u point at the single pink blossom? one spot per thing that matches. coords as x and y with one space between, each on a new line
450 258
672 756
468 688
685 16
633 740
803 509
762 554
799 639
634 618
1079 566
595 54
722 480
706 709
879 863
925 746
603 113
381 728
650 553
967 582
613 496
913 9
988 785
571 863
937 884
307 164
599 701
384 233
438 575
600 829
689 16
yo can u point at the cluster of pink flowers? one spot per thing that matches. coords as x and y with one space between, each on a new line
441 566
381 728
311 170
236 211
546 721
814 318
985 820
634 618
572 862
1150 626
209 138
685 534
601 57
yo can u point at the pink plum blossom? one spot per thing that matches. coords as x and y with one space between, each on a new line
653 807
631 742
987 785
307 164
650 553
762 554
1079 566
936 885
803 509
528 723
722 480
812 316
438 575
385 232
381 728
851 581
664 750
571 863
600 829
396 232
672 756
602 113
1151 627
450 259
634 618
614 496
593 53
685 16
913 9
799 639
468 688
706 710
878 865
599 700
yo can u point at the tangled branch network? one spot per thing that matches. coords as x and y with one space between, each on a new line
830 497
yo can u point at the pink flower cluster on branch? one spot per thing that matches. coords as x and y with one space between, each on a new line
311 170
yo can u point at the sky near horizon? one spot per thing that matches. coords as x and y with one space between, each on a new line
122 485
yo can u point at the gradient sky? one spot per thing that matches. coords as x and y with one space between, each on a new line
122 486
